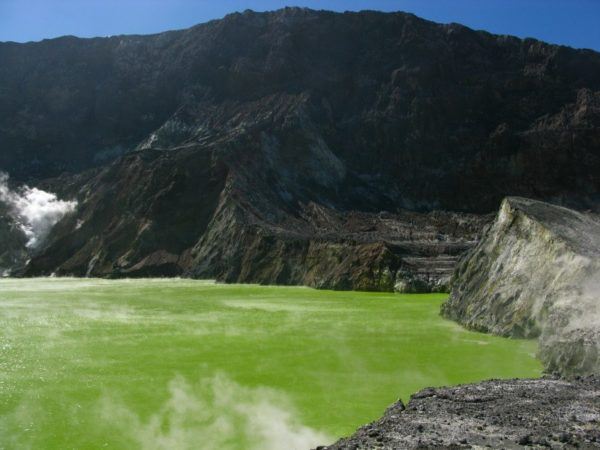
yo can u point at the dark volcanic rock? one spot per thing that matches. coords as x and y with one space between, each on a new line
536 272
295 146
324 248
13 252
512 414
428 116
190 214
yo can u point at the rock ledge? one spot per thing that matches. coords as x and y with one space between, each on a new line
509 414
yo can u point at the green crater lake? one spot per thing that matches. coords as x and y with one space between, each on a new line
178 364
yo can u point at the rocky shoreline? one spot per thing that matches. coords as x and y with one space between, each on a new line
509 414
534 274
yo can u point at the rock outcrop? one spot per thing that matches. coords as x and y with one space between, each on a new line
324 248
13 252
190 215
536 272
510 414
294 146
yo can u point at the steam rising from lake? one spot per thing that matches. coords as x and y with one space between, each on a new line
214 414
34 210
185 364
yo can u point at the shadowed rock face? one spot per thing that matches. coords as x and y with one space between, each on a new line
295 146
536 272
324 248
509 414
13 253
191 215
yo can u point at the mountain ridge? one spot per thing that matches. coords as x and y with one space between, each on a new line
285 127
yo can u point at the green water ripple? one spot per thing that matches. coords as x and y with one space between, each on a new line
192 364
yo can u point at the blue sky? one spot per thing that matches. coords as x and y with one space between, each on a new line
570 22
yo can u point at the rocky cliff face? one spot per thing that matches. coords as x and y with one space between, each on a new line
13 252
510 414
535 273
295 146
190 215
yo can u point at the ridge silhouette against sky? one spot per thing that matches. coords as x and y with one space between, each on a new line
568 22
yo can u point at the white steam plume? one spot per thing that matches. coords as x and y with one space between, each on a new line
215 414
34 210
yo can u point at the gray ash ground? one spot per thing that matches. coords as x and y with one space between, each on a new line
508 414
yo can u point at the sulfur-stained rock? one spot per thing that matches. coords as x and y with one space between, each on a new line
536 272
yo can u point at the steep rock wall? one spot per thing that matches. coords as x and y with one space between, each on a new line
536 272
333 141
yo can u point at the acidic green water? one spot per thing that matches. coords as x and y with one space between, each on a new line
177 364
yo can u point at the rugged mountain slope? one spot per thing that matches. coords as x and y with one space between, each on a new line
509 414
13 253
189 212
536 272
264 146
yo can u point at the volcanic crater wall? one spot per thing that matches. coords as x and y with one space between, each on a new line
349 151
536 272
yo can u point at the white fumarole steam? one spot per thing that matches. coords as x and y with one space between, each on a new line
34 210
